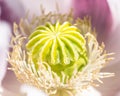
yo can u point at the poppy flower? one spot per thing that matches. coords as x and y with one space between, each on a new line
58 57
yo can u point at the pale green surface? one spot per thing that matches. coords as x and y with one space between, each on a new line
60 45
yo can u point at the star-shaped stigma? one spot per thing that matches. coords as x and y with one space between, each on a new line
59 45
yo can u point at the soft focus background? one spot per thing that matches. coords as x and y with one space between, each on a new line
105 17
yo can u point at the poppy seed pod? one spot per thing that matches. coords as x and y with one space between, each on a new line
60 45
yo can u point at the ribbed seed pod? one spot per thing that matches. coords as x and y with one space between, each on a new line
60 45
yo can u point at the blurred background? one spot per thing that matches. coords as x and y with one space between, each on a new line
105 18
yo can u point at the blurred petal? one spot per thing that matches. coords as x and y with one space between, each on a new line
112 42
31 91
11 10
4 34
48 5
99 12
112 86
90 92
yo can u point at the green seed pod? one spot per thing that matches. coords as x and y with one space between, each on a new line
61 46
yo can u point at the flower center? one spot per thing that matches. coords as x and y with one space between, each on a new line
61 46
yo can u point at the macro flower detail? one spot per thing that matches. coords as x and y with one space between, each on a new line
57 54
60 45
